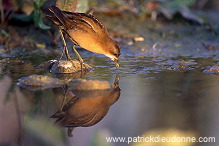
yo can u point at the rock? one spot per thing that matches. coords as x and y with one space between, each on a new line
64 66
91 85
93 88
70 76
181 66
36 82
138 39
47 65
213 70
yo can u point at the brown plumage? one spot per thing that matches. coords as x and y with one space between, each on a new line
86 111
86 31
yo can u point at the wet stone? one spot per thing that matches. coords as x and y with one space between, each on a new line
90 88
40 81
64 66
213 70
70 76
91 85
47 65
181 66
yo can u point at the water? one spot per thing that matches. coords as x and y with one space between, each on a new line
154 99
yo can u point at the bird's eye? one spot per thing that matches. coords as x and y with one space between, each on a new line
117 55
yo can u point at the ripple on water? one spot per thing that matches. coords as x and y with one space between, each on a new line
149 66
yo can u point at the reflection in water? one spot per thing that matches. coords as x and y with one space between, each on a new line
159 100
87 107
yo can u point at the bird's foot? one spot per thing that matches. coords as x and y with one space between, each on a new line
85 67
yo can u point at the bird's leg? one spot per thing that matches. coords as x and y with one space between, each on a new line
62 54
63 51
77 54
65 88
79 57
116 82
70 129
64 44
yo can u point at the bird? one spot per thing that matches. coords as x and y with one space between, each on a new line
86 111
86 31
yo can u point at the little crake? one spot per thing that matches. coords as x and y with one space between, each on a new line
86 31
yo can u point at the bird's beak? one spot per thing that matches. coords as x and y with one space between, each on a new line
117 63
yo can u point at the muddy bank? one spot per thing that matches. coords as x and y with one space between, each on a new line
160 38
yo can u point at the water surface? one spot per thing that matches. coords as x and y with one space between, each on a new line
153 97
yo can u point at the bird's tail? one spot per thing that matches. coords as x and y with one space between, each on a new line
59 15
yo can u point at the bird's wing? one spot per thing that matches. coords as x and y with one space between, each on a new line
85 22
62 19
55 20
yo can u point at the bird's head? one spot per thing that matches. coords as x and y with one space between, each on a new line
114 53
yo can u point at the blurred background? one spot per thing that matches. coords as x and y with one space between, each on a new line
168 76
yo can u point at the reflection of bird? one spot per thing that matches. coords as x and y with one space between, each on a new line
84 112
86 31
